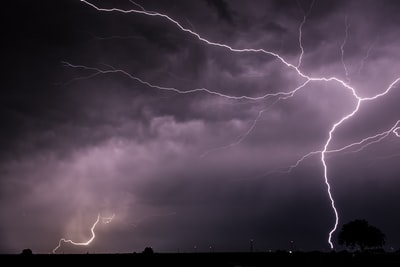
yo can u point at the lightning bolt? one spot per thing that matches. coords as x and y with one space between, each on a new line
364 143
372 139
138 5
360 68
343 45
105 220
324 151
306 14
97 71
397 131
240 139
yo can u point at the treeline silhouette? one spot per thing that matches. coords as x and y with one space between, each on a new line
363 241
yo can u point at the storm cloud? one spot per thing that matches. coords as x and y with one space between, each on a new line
186 170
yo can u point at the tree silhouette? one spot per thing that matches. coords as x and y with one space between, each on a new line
359 233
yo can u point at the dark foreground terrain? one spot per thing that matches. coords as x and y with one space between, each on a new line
213 259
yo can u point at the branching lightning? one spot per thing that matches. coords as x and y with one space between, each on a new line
255 121
104 220
362 144
280 95
371 139
110 70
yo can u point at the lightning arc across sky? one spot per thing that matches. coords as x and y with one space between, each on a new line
324 151
104 220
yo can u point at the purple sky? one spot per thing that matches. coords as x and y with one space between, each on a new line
76 142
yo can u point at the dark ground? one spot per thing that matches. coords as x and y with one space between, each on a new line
213 259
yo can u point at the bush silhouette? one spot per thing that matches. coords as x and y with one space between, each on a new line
148 250
26 251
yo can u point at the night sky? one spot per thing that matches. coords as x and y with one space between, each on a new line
94 120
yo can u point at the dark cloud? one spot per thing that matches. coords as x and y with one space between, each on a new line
222 8
76 142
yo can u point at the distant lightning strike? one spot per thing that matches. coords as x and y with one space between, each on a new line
281 95
105 220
